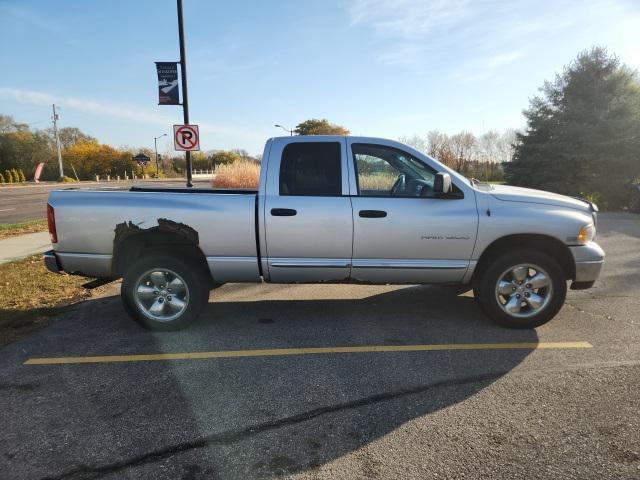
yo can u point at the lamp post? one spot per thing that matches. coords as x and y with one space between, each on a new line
285 129
155 146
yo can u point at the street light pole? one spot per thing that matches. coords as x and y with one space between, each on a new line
185 98
155 146
285 129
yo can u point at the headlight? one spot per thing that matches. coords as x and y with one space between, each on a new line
586 234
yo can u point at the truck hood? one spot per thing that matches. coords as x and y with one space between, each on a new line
529 195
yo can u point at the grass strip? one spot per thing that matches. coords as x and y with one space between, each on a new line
13 229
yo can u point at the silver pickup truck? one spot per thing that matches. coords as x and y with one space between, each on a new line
330 209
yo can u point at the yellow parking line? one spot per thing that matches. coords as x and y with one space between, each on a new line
305 351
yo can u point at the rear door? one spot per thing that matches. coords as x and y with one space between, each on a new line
308 216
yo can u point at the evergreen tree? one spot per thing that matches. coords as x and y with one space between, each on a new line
583 133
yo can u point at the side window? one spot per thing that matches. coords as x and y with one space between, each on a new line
311 169
389 172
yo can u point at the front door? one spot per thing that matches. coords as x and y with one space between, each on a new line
403 231
308 218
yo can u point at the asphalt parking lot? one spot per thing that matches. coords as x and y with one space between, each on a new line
494 408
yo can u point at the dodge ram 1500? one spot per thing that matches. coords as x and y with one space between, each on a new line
330 209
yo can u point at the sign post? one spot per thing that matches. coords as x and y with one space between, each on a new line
185 97
168 87
142 160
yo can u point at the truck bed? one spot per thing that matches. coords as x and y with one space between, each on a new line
89 223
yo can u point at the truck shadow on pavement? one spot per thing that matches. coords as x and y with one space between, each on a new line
253 417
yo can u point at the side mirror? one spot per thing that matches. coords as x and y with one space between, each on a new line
442 183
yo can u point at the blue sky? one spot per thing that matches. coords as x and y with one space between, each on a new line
379 67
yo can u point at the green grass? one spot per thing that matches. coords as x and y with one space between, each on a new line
12 229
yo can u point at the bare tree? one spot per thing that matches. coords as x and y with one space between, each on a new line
462 147
415 141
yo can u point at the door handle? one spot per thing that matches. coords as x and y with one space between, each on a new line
373 213
283 212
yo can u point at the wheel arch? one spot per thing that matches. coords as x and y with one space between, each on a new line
543 243
156 241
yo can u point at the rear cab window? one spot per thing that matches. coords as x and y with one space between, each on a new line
311 169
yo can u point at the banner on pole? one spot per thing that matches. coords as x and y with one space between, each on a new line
168 83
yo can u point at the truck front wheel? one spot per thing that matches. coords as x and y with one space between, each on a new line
164 293
522 289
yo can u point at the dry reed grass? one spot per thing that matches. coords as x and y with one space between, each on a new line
237 175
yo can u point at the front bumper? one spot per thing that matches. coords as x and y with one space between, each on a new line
51 262
588 260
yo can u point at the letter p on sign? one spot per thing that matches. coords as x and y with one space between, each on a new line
186 137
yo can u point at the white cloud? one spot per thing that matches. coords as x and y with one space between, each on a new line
408 19
484 35
503 59
120 111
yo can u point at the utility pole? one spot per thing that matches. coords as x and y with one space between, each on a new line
55 131
185 98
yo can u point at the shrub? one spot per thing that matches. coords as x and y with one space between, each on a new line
242 174
595 197
66 179
9 176
21 176
1 178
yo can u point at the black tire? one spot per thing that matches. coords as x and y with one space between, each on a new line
196 298
485 288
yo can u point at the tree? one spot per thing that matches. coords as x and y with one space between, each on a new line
415 141
200 161
223 157
1 178
8 125
69 136
582 133
462 148
23 149
319 127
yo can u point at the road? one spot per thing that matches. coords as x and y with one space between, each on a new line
470 410
23 203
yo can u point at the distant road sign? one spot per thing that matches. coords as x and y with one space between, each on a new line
142 159
186 138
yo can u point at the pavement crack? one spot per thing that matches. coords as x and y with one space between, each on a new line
233 436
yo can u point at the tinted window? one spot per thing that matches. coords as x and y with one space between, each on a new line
387 171
311 169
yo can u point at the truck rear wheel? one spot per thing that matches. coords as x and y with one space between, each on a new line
164 293
522 289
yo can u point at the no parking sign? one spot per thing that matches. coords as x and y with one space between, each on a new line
186 138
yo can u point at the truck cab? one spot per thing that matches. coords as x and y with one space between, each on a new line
345 208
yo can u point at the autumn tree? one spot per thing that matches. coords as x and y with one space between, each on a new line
315 126
69 136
